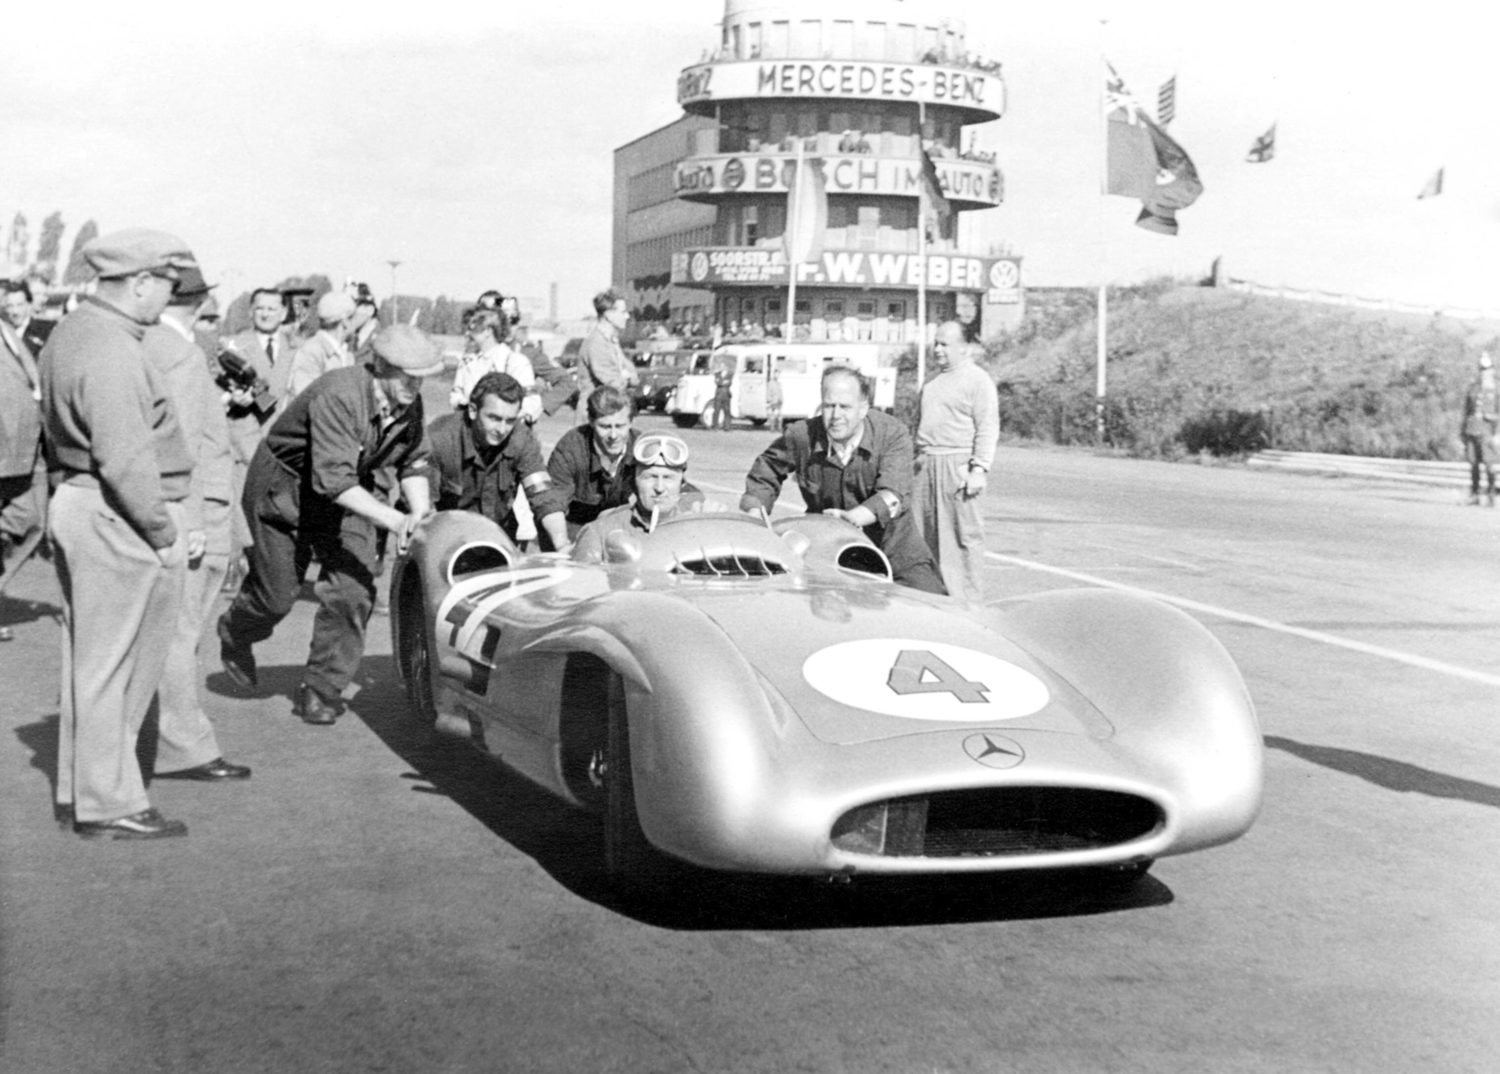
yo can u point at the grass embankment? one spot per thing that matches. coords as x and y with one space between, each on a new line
1194 369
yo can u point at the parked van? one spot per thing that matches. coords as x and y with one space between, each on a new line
799 367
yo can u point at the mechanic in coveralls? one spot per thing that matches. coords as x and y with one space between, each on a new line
854 463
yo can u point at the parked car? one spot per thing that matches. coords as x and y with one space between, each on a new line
657 375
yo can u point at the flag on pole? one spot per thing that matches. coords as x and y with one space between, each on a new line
1166 101
1433 186
806 212
1264 148
1142 161
934 204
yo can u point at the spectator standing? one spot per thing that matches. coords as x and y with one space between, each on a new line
496 355
365 322
19 306
723 394
267 346
310 489
854 463
775 397
957 430
1481 414
600 358
23 470
555 384
116 524
485 455
590 465
187 746
328 349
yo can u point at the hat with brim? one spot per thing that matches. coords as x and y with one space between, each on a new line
191 286
125 253
408 349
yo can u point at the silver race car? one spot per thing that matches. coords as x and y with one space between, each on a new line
759 697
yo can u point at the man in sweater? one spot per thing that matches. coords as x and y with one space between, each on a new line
117 528
956 435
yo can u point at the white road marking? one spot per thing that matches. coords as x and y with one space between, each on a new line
1380 651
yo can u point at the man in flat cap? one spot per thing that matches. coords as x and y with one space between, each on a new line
327 350
311 488
117 527
187 747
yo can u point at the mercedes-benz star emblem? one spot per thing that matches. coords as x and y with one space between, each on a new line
994 751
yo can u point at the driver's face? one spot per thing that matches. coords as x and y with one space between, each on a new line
658 486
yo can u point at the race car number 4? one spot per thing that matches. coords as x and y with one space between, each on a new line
924 680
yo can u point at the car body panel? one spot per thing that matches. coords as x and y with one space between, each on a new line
771 702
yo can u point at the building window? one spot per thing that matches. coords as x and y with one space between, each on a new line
734 42
752 224
843 38
865 308
779 42
874 40
753 39
810 37
903 43
833 309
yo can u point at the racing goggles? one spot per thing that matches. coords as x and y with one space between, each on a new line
659 449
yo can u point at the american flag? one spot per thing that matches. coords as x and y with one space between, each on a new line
1166 102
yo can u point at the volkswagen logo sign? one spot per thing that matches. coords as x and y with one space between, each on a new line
994 751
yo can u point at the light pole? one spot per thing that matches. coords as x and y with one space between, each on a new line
395 305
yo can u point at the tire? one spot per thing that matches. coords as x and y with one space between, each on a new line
416 655
759 423
708 416
631 864
684 421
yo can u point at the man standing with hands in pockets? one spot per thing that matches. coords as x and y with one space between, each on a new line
117 527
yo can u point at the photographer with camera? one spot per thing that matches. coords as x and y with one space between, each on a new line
254 366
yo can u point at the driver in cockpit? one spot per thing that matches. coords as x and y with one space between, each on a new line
660 470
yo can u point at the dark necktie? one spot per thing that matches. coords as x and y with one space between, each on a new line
270 350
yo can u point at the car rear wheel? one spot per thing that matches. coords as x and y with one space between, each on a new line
708 416
684 421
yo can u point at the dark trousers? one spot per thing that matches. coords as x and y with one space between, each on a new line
278 559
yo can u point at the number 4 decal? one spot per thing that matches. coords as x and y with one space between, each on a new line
909 675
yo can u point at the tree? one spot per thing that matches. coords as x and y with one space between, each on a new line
49 247
78 270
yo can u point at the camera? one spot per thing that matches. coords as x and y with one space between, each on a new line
236 374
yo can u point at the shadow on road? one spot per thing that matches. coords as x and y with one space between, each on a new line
1390 774
566 841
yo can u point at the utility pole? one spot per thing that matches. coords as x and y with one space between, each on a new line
395 305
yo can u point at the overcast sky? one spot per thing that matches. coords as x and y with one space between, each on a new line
473 142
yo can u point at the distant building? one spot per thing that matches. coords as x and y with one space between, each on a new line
858 88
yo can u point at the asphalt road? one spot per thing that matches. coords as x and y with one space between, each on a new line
377 900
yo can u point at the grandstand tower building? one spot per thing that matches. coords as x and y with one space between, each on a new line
855 90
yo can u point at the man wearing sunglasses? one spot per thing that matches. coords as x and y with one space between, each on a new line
117 528
854 463
660 469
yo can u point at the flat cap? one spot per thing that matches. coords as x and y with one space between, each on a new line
124 253
335 306
409 349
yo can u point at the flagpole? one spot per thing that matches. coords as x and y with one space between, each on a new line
1100 350
793 208
921 257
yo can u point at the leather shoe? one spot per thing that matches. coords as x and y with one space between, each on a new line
238 661
215 771
313 707
147 824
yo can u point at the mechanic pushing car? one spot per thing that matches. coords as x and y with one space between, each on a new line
854 463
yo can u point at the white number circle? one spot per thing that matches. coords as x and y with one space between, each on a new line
924 680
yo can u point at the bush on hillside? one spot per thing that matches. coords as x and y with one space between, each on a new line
1224 433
